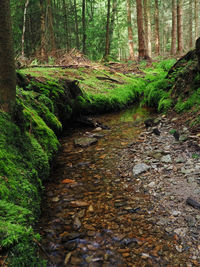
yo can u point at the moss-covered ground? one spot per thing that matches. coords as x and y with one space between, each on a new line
46 99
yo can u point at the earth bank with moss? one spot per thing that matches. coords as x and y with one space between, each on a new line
45 104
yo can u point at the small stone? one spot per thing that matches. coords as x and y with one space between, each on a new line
176 213
166 159
91 209
179 248
78 203
140 168
85 141
152 184
191 180
183 138
55 199
180 160
77 223
180 231
145 256
91 233
98 129
76 261
190 220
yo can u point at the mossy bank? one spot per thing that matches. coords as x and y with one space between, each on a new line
28 140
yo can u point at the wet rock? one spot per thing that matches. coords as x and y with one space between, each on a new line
140 168
190 220
85 141
77 223
78 203
176 213
71 236
166 159
55 199
76 261
70 246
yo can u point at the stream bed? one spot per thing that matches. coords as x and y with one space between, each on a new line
93 213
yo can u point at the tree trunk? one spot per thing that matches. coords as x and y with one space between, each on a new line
130 31
180 26
196 19
107 46
76 25
7 64
141 40
24 27
42 27
83 27
174 27
147 26
112 22
157 35
51 30
66 25
190 25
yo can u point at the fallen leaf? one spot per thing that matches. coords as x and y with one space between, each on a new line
67 181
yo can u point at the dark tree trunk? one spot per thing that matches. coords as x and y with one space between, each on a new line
141 41
66 25
7 64
130 31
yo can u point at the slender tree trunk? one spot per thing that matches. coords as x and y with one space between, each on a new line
196 19
130 31
147 26
141 41
112 22
157 34
174 27
66 25
107 46
7 64
180 26
84 27
24 26
51 30
42 27
76 25
190 24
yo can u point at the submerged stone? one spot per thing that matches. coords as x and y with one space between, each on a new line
85 141
140 168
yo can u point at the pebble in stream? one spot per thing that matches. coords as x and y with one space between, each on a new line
96 217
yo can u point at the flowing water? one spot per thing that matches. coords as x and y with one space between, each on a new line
92 213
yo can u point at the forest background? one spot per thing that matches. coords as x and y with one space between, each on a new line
109 29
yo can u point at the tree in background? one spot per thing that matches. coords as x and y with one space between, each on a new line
174 28
130 31
196 19
83 28
157 34
7 64
180 26
142 52
147 24
107 45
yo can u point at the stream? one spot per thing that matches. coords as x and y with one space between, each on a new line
93 213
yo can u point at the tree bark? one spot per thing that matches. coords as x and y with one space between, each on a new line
51 30
174 27
196 19
141 41
66 25
24 26
157 35
180 26
76 25
190 25
83 27
147 26
42 27
107 46
130 31
112 22
7 64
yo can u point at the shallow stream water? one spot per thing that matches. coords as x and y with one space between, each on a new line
92 213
